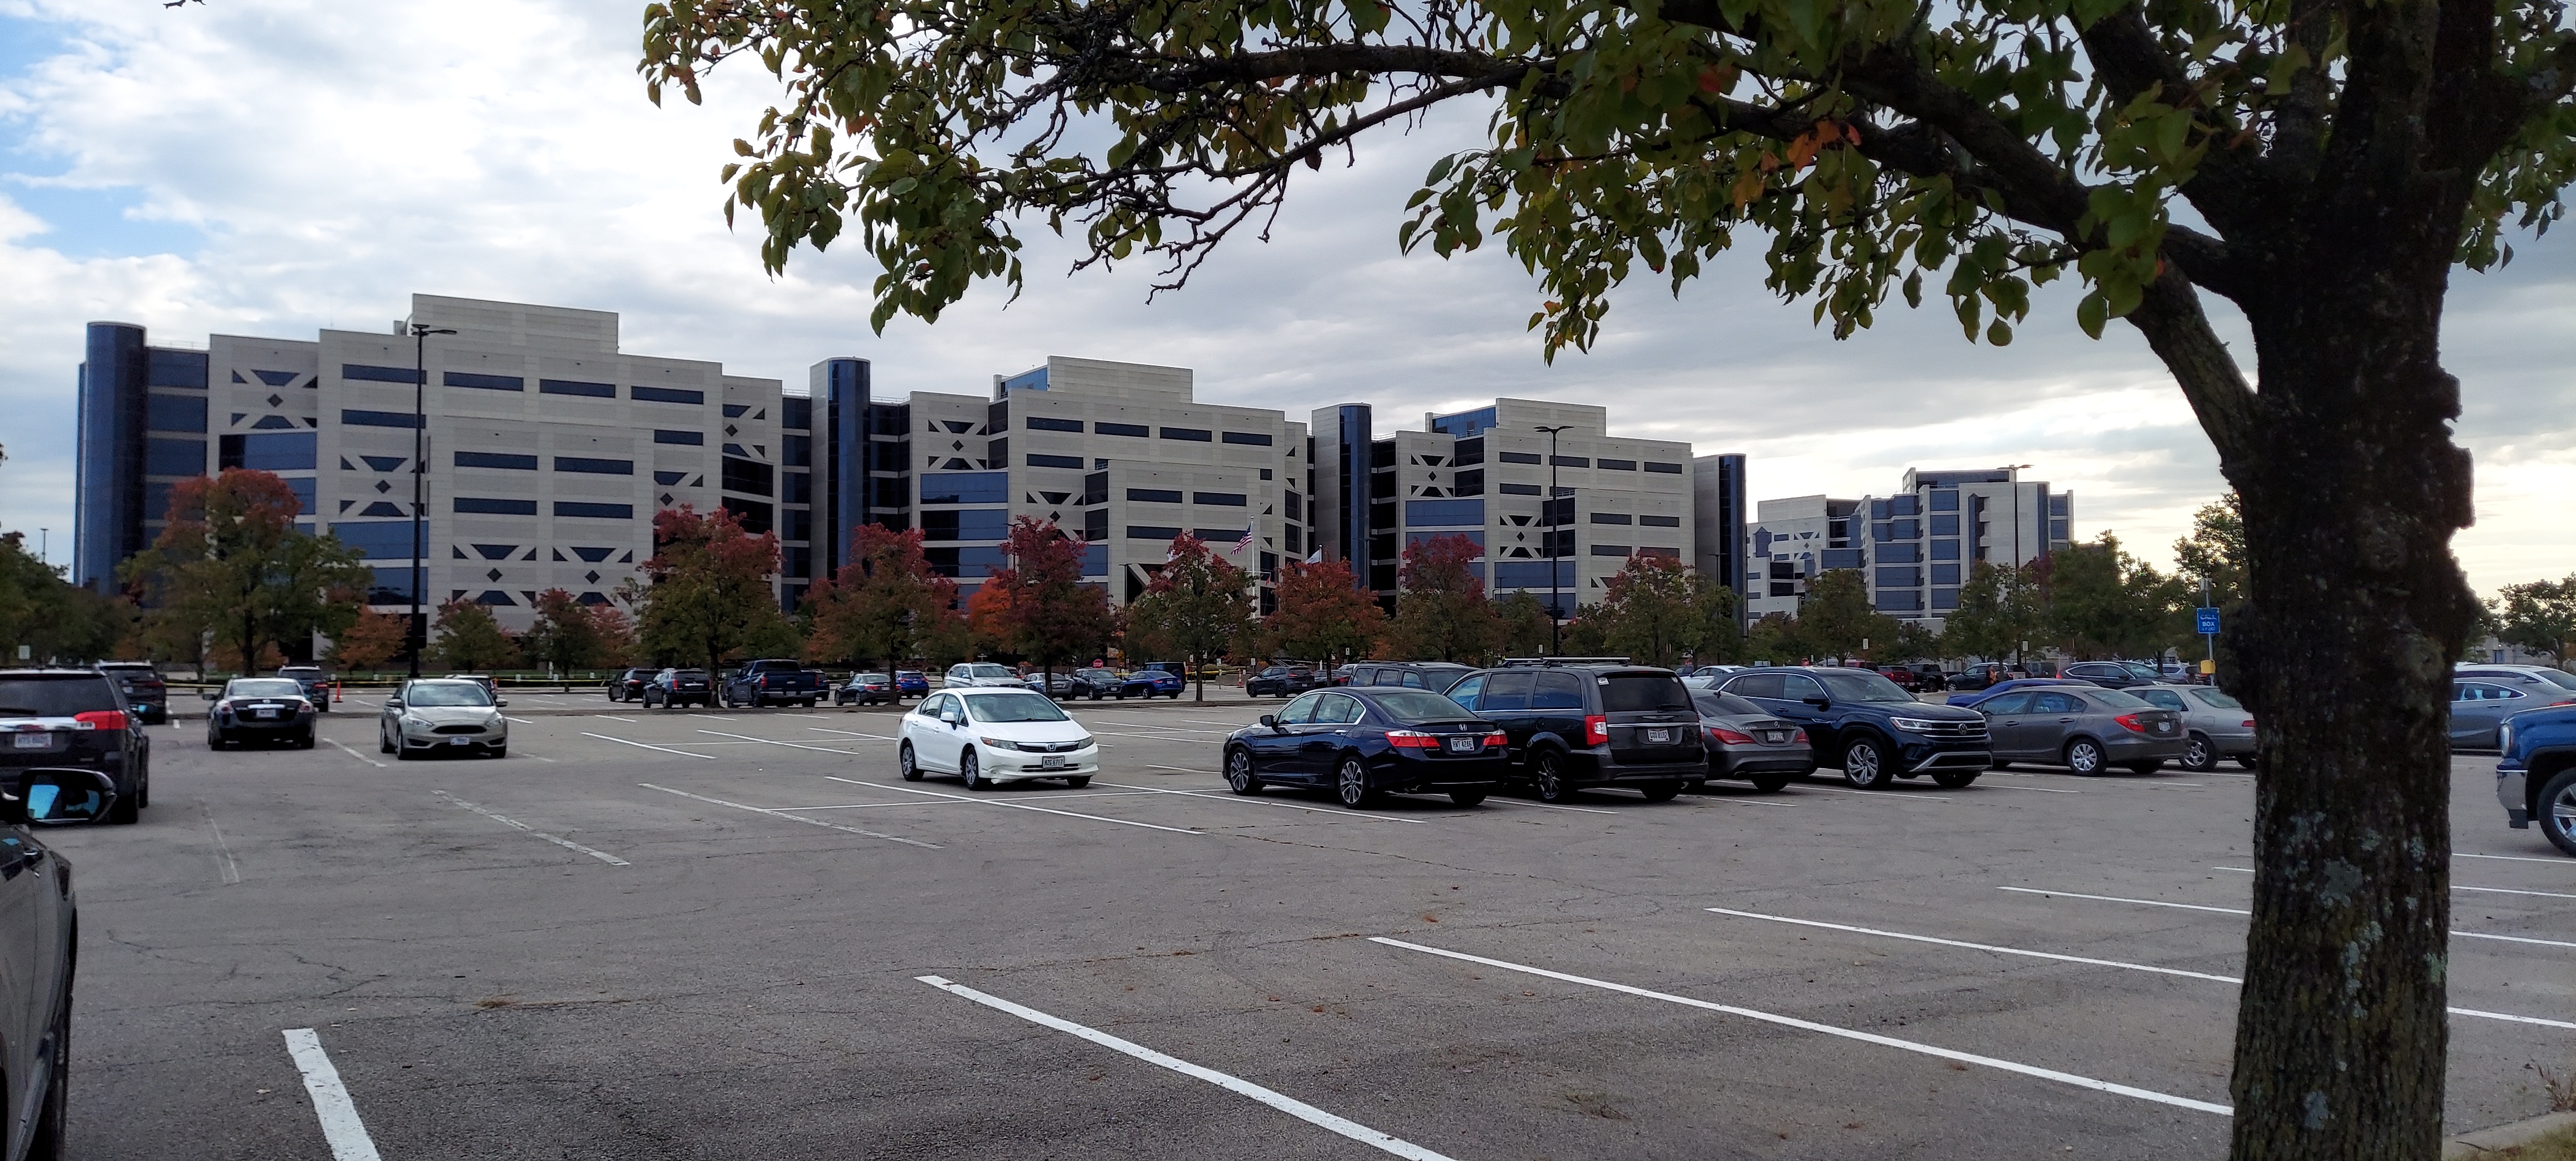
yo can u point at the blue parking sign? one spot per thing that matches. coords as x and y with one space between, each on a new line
2205 622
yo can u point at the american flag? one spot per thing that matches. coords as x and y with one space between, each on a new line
1244 543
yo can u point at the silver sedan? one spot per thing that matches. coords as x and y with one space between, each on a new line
451 716
2217 727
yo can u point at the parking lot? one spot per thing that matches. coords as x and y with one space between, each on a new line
739 935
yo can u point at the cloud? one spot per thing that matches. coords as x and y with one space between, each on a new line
275 166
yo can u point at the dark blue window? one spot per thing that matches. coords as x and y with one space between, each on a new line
1532 574
594 511
966 524
495 597
735 449
383 508
175 413
1051 423
1609 550
1519 457
465 459
796 451
1944 600
273 423
289 451
1136 430
357 418
379 540
1839 558
1663 469
689 438
1899 577
1905 529
156 501
495 551
1901 553
1437 513
1609 517
666 479
496 507
595 467
485 382
665 395
1151 532
1222 538
1660 521
1153 495
1192 434
577 387
1095 560
2057 530
277 378
393 585
1945 525
1944 502
181 457
1610 465
2057 504
1414 538
965 563
1248 438
1945 574
1220 499
1899 601
736 410
383 463
1039 461
302 486
369 374
965 487
1900 506
1945 550
165 368
1518 489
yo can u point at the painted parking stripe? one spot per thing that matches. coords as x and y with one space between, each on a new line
1015 805
776 742
2041 789
1828 1029
642 746
2109 963
354 754
1233 1084
1887 795
2515 859
341 1128
909 804
2240 911
2454 886
567 844
1549 806
854 734
1230 796
607 718
793 817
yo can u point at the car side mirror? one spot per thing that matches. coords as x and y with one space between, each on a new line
948 717
1270 720
1819 702
59 797
393 703
498 702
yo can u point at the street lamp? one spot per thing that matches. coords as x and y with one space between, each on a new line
2013 475
416 632
1555 586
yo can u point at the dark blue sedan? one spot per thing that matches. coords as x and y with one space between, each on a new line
1973 698
1149 684
1363 743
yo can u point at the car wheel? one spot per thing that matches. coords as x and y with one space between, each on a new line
2558 811
384 741
1467 797
1351 784
1078 781
2084 756
1770 783
305 742
906 765
46 1142
1661 791
1865 765
403 753
972 771
1547 776
2198 755
1120 695
1953 779
1238 773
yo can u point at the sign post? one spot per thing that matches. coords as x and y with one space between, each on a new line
2205 622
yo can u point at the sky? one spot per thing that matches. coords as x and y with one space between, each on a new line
271 167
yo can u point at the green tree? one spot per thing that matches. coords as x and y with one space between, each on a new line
1908 641
471 640
1198 606
1527 630
231 563
54 619
569 635
2318 166
1322 614
1655 610
1835 616
371 639
1440 606
2539 616
883 605
2215 551
2103 602
708 596
1999 613
1054 617
1775 639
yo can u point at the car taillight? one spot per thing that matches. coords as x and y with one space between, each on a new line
1798 736
2131 723
764 681
1596 730
1497 740
1412 740
102 719
2246 724
1729 737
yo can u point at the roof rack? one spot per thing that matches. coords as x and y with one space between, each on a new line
1510 662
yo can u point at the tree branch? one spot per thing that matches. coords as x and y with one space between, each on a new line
2230 188
2170 317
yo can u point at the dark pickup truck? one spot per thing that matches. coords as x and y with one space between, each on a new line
764 683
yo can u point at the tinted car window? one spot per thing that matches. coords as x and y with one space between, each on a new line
1014 707
1507 692
2161 699
1464 693
1410 706
1862 687
2056 703
2123 700
54 697
2010 703
263 687
1799 687
444 693
2218 699
1634 692
1339 709
1413 681
1756 685
1299 711
1557 691
1726 705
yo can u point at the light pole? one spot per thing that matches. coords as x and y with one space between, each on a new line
2013 475
416 632
45 545
1555 586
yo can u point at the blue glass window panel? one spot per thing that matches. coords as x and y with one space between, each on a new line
1220 499
376 540
1192 434
1051 423
1444 513
1945 550
166 368
1660 521
1663 469
1945 525
593 555
291 451
176 457
1901 576
1609 517
1899 601
1153 495
468 459
1414 538
667 479
1518 489
1944 600
1095 560
1039 461
965 487
1882 531
577 387
1901 506
1513 457
485 382
175 413
495 506
2057 504
393 582
1945 502
1531 574
736 410
1135 430
365 373
302 486
735 449
1833 558
156 501
1905 529
1151 532
1572 462
495 597
1464 423
2057 530
383 463
592 511
684 438
1609 550
1610 465
1248 438
1030 380
1945 574
495 551
272 423
357 418
966 524
796 451
1221 539
667 395
1900 553
596 467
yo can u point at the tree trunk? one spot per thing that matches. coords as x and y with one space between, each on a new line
2352 490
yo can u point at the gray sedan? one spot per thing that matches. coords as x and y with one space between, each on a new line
2479 706
1746 741
2085 729
2215 726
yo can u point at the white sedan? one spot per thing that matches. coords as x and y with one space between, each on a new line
993 735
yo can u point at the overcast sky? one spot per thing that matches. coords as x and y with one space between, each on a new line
270 167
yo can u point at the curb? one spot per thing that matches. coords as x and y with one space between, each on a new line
2488 1142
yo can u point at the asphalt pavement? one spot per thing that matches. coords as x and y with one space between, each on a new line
665 934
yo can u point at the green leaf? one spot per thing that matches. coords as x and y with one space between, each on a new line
1999 334
2089 314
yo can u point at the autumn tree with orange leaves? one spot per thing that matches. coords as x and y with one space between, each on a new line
708 595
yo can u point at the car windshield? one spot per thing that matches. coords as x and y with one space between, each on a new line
2114 699
264 687
875 677
1013 707
987 671
1632 692
299 672
1861 687
1413 705
1727 705
453 693
2140 670
54 697
2216 698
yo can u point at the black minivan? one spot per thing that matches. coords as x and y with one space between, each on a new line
1591 724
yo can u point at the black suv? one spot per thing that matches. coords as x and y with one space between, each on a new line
1281 681
1873 731
1436 676
629 685
75 717
1591 724
679 687
145 692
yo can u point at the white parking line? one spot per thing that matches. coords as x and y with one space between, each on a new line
1178 769
606 718
1159 737
2454 886
642 746
854 734
1829 1030
1499 801
354 754
776 742
2041 789
2109 963
567 844
2239 911
1230 796
1014 805
341 1128
1233 1084
223 850
1890 795
793 817
2514 859
522 721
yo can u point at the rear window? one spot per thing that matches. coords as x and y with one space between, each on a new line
2218 699
1635 692
264 687
1727 705
1406 705
2114 699
54 697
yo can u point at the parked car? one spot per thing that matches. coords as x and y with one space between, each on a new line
316 684
1150 683
38 913
76 717
491 686
866 689
1912 678
145 693
1575 725
2215 726
628 685
672 688
973 674
2516 675
1872 731
2112 674
260 709
910 683
1971 699
1342 674
772 682
433 715
2479 708
1980 676
1094 683
1747 741
1280 681
1365 743
2084 729
1436 676
2536 774
987 735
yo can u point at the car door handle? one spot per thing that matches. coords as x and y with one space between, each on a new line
2063 721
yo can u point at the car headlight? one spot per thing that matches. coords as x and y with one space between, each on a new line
2504 738
1917 725
1082 742
1000 743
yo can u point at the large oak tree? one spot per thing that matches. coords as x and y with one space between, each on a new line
2318 166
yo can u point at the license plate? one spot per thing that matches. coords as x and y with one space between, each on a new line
2164 727
264 712
460 741
1465 745
35 741
1659 735
1775 737
1051 762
